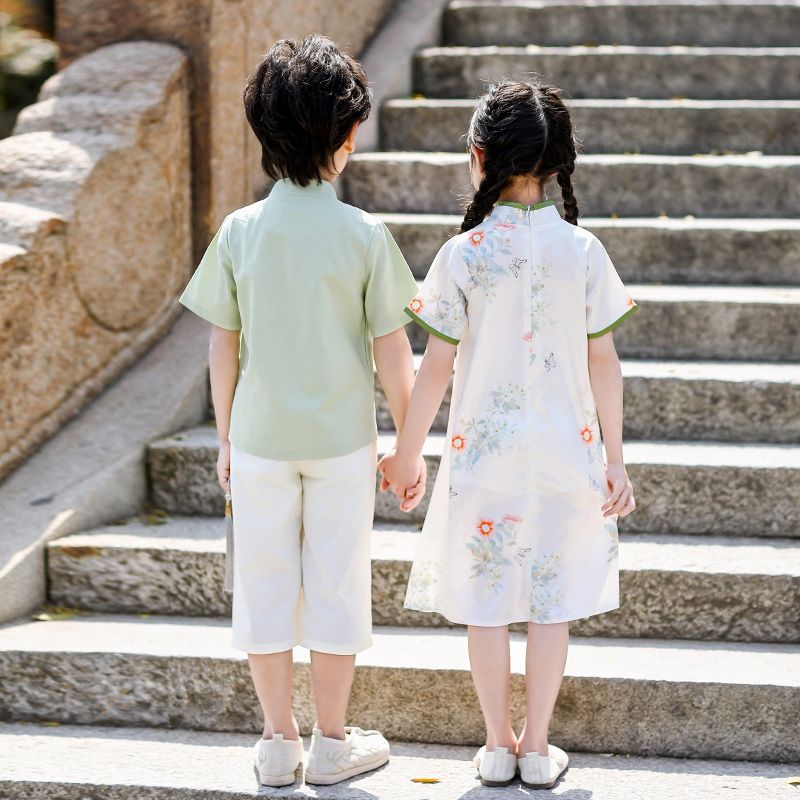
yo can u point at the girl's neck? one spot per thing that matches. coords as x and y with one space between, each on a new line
524 192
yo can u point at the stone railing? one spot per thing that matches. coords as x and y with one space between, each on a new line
95 241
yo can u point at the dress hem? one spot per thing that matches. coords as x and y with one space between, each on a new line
483 624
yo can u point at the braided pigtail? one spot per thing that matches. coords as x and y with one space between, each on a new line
564 178
488 193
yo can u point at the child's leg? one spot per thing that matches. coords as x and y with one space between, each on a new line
544 669
332 676
267 518
272 677
491 671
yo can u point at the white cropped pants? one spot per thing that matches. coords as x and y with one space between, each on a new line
302 570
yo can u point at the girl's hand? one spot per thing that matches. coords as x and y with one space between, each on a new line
224 466
621 500
399 473
414 494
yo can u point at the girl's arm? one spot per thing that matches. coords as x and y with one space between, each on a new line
400 468
223 362
394 362
605 375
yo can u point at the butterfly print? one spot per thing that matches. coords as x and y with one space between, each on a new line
521 554
516 265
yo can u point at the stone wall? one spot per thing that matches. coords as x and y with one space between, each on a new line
223 39
95 238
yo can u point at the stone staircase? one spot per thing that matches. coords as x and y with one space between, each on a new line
697 202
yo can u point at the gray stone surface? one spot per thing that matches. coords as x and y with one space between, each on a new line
83 763
708 322
682 487
605 185
690 400
701 23
714 588
615 72
698 699
92 471
704 251
615 126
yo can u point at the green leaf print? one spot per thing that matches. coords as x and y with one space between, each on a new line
491 547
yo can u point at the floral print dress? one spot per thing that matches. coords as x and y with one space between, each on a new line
514 531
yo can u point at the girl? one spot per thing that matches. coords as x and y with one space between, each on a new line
522 522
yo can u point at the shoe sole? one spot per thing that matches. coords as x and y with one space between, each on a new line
327 780
497 784
277 780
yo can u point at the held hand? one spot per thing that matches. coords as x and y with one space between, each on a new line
414 494
621 500
224 466
399 474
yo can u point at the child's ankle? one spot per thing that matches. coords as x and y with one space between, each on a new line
332 731
289 732
507 740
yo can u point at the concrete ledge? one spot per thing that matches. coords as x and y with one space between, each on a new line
648 697
671 587
73 763
92 470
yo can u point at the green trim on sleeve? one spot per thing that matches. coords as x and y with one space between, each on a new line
614 324
428 328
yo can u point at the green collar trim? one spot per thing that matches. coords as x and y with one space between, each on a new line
543 204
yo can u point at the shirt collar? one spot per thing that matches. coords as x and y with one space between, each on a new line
285 187
540 214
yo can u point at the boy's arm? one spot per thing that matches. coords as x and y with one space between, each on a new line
431 383
605 375
223 362
395 364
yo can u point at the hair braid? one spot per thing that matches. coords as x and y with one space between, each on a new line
488 193
564 178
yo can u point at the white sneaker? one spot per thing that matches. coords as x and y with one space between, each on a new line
542 772
334 760
277 759
496 767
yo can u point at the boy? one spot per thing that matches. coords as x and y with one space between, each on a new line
301 289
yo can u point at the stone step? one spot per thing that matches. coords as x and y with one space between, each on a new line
76 762
615 126
675 587
649 250
605 185
651 23
720 73
704 322
646 697
704 400
682 487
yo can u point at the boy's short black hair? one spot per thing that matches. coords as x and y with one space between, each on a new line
301 101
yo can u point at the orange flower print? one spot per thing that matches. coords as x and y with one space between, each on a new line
629 302
527 337
586 434
476 238
458 442
485 527
416 305
512 518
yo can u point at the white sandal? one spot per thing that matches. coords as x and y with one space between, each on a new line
496 767
542 772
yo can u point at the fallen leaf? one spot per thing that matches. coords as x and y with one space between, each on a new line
425 780
50 723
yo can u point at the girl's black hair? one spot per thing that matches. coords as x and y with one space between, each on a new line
523 129
301 101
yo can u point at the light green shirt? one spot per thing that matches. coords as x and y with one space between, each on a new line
309 281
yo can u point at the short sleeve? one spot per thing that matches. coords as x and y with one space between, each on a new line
390 284
608 302
211 293
440 306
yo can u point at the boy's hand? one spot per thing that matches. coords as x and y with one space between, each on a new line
414 494
621 500
224 466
